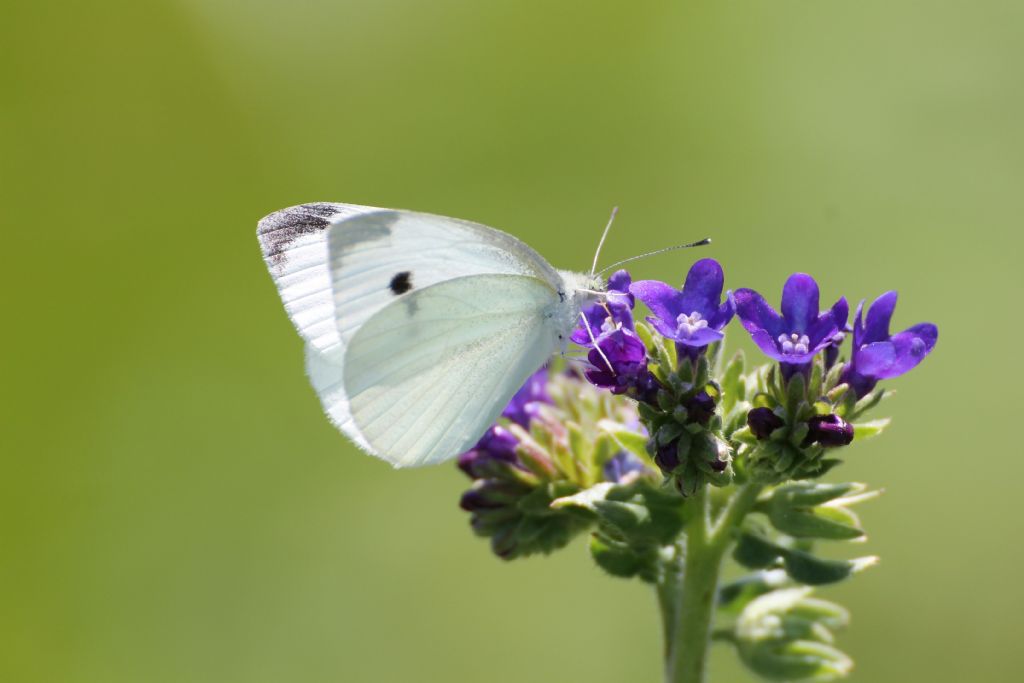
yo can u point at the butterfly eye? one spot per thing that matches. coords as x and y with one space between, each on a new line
401 282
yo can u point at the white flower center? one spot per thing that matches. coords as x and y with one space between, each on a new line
687 325
794 343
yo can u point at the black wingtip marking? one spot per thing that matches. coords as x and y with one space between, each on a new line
401 283
278 230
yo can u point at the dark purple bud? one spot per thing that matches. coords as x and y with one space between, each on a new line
701 407
477 499
763 421
667 457
828 430
488 495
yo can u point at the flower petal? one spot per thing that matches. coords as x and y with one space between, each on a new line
800 302
663 328
875 359
876 325
619 281
766 342
703 288
858 326
663 299
724 314
911 346
595 316
829 323
700 338
756 314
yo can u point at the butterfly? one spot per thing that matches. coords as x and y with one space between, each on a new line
419 328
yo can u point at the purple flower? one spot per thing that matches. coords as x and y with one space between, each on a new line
796 336
695 316
878 355
619 363
622 466
605 316
497 445
523 406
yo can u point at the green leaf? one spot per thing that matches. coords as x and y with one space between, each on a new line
829 523
868 402
796 394
866 430
785 635
808 493
756 552
815 385
735 595
626 438
616 558
815 571
636 512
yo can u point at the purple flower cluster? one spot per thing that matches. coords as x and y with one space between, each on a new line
617 358
695 317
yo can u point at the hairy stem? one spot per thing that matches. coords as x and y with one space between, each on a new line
687 591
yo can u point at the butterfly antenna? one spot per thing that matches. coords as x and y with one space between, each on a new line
699 243
590 333
604 235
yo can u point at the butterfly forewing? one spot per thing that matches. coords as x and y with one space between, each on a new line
294 246
378 257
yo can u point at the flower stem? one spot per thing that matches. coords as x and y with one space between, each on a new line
689 585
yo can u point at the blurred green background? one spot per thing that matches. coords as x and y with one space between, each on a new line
175 508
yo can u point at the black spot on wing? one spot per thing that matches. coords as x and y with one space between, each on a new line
401 282
277 231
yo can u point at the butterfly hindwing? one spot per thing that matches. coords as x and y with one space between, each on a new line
429 373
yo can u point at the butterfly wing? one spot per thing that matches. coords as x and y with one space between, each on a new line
294 245
379 256
430 372
334 265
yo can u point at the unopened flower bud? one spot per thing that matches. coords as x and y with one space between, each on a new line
828 430
667 457
701 407
763 421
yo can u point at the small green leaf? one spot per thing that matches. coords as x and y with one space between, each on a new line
807 493
735 595
756 552
868 402
815 385
796 393
815 571
626 438
866 430
616 558
829 523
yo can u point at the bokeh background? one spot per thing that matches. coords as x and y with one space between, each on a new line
173 505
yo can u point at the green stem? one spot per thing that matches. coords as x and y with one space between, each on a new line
689 584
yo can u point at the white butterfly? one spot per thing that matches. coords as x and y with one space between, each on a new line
419 328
